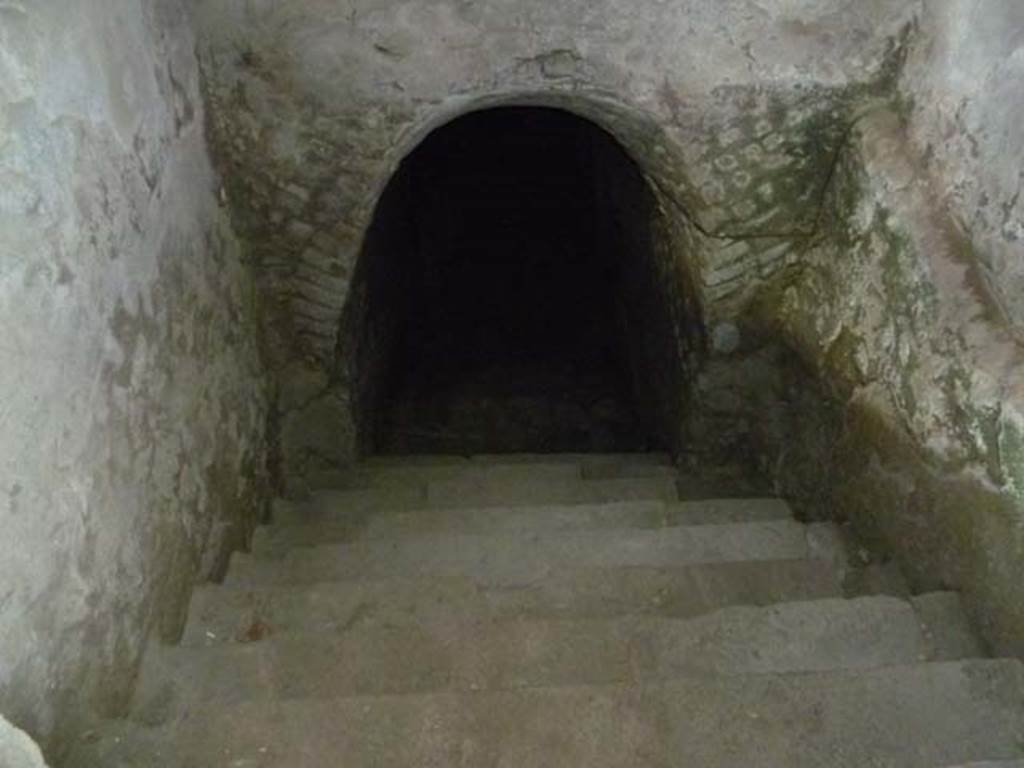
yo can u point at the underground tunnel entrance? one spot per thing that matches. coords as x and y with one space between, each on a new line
511 295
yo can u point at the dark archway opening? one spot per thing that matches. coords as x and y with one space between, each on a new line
512 300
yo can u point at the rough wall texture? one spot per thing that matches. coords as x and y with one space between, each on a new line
964 83
905 307
131 408
910 310
889 309
17 750
734 111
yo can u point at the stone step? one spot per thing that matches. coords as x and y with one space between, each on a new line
483 491
586 460
494 491
224 613
918 716
609 470
315 522
518 558
510 469
946 627
389 471
379 658
364 476
359 501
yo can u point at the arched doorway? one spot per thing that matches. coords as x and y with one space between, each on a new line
515 298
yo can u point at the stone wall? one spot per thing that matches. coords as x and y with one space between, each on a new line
964 86
735 113
891 311
908 309
132 411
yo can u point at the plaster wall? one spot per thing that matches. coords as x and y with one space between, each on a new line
909 310
964 86
132 411
890 313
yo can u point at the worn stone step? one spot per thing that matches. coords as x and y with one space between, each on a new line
225 614
946 627
521 469
509 469
359 501
918 716
367 476
519 558
586 460
316 522
482 491
378 658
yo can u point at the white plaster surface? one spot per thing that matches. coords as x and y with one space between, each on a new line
131 406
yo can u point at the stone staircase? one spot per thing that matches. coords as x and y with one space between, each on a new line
558 611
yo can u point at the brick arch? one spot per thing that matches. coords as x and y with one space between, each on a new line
321 285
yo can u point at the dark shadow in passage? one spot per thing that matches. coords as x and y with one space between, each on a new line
510 295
